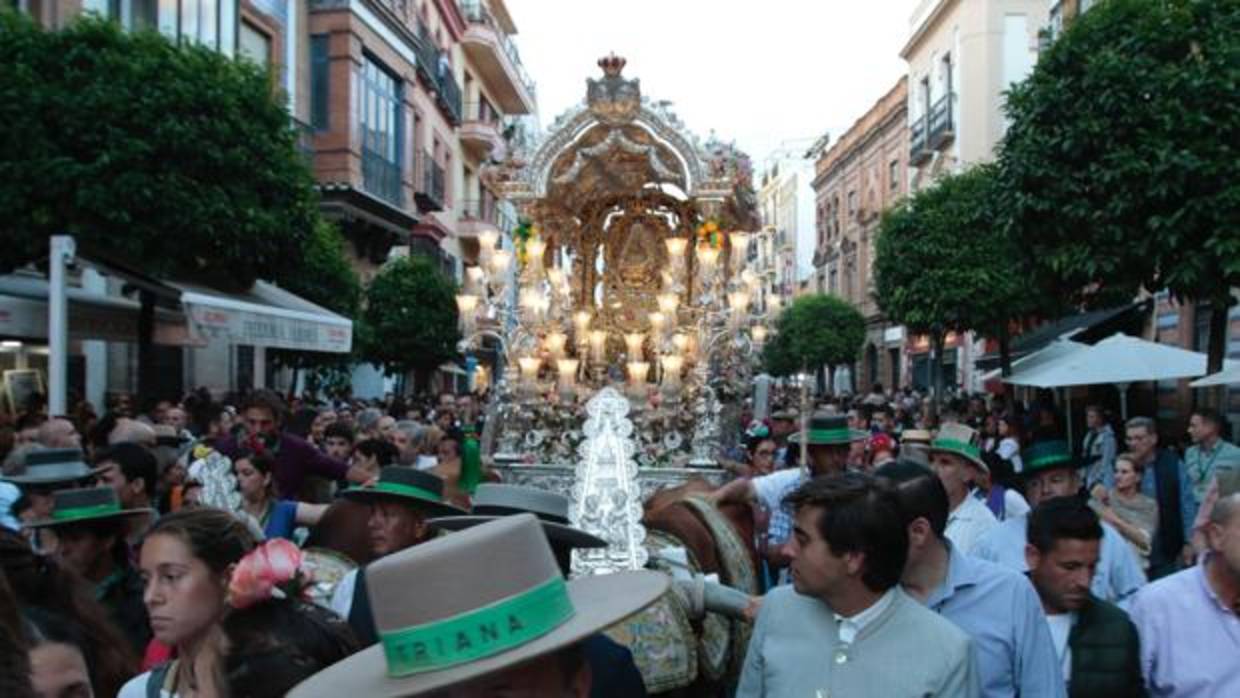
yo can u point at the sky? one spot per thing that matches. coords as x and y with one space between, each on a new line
765 74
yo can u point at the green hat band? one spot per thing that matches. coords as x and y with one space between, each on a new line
830 435
1048 459
87 512
965 448
403 490
466 637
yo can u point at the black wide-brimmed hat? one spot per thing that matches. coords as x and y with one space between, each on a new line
828 430
53 466
85 505
492 501
414 487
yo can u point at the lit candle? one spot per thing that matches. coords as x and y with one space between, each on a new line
567 383
475 279
598 346
676 247
529 372
555 276
739 302
530 300
758 333
500 261
668 303
536 248
633 342
773 302
672 364
681 342
658 322
707 258
555 342
581 324
639 373
740 248
487 240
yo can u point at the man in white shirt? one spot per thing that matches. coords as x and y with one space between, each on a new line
953 455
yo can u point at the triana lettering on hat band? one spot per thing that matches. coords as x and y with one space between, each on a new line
72 513
830 434
482 632
961 446
407 490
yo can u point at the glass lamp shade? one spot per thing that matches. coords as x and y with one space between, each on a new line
500 261
676 247
555 342
633 343
487 239
668 303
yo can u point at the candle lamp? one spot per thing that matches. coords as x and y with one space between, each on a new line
529 373
633 343
500 261
658 324
466 305
740 248
555 342
672 365
676 247
581 325
758 334
668 303
598 346
639 373
567 382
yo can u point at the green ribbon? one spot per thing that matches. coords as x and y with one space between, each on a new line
958 446
830 435
72 513
1048 459
482 632
405 490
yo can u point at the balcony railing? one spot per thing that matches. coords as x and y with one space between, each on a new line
381 177
481 210
430 193
940 129
482 112
449 97
917 141
477 13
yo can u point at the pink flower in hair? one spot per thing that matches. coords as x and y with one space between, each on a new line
269 570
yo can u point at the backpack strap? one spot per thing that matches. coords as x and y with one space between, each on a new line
161 679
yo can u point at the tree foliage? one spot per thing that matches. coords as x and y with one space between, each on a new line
1122 160
816 330
943 261
171 157
410 317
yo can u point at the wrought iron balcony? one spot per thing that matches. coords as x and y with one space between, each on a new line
430 193
490 46
918 153
940 129
449 97
381 177
480 210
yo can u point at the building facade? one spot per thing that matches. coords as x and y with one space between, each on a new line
857 178
962 55
783 252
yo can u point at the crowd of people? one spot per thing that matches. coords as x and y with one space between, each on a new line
203 549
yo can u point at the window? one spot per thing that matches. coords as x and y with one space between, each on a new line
320 82
945 69
893 175
380 120
212 23
925 96
852 202
254 44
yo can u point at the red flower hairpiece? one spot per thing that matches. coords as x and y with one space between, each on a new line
270 570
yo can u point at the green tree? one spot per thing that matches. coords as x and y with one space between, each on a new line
170 158
815 331
944 262
326 278
410 318
1122 161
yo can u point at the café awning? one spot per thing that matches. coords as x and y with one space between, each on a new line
264 316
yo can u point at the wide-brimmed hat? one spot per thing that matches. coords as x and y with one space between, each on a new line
829 430
916 436
53 466
959 440
478 602
86 504
786 414
491 501
1046 455
410 485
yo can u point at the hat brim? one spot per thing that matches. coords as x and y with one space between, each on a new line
599 602
853 435
366 495
87 472
978 462
51 523
556 532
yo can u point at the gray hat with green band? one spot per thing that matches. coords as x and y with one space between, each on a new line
829 430
415 487
53 466
959 440
476 603
84 505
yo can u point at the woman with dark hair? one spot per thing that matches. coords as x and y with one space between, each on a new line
61 659
277 517
372 455
1010 441
186 561
276 644
38 581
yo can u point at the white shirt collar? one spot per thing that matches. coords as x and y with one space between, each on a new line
852 626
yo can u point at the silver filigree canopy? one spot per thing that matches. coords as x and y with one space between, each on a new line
606 497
